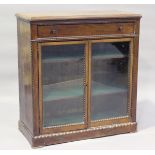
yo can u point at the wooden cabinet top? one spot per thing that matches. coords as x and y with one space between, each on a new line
75 15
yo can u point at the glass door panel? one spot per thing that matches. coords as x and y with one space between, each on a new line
63 76
109 81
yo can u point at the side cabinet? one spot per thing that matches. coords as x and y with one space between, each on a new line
77 76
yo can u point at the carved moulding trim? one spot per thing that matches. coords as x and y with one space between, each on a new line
83 37
86 130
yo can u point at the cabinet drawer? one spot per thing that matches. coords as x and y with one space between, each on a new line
85 29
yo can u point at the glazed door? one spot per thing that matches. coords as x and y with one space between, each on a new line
62 86
84 84
111 65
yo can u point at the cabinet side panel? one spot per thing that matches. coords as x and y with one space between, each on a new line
135 71
25 74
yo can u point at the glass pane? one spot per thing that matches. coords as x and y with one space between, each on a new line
62 79
109 80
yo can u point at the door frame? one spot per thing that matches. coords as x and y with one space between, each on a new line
87 89
72 126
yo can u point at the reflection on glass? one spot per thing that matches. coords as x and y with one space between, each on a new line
109 80
62 78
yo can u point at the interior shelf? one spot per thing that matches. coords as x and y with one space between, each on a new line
61 59
108 56
66 120
74 88
97 56
110 52
108 114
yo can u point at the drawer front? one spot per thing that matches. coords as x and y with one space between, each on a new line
85 29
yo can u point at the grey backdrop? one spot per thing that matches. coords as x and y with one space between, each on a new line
11 138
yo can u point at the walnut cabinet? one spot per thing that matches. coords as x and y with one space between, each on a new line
77 75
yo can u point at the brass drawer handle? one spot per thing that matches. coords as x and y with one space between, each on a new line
53 31
120 28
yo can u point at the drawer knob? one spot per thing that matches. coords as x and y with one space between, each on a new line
120 28
53 31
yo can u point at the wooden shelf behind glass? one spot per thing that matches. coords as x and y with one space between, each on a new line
71 89
107 55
